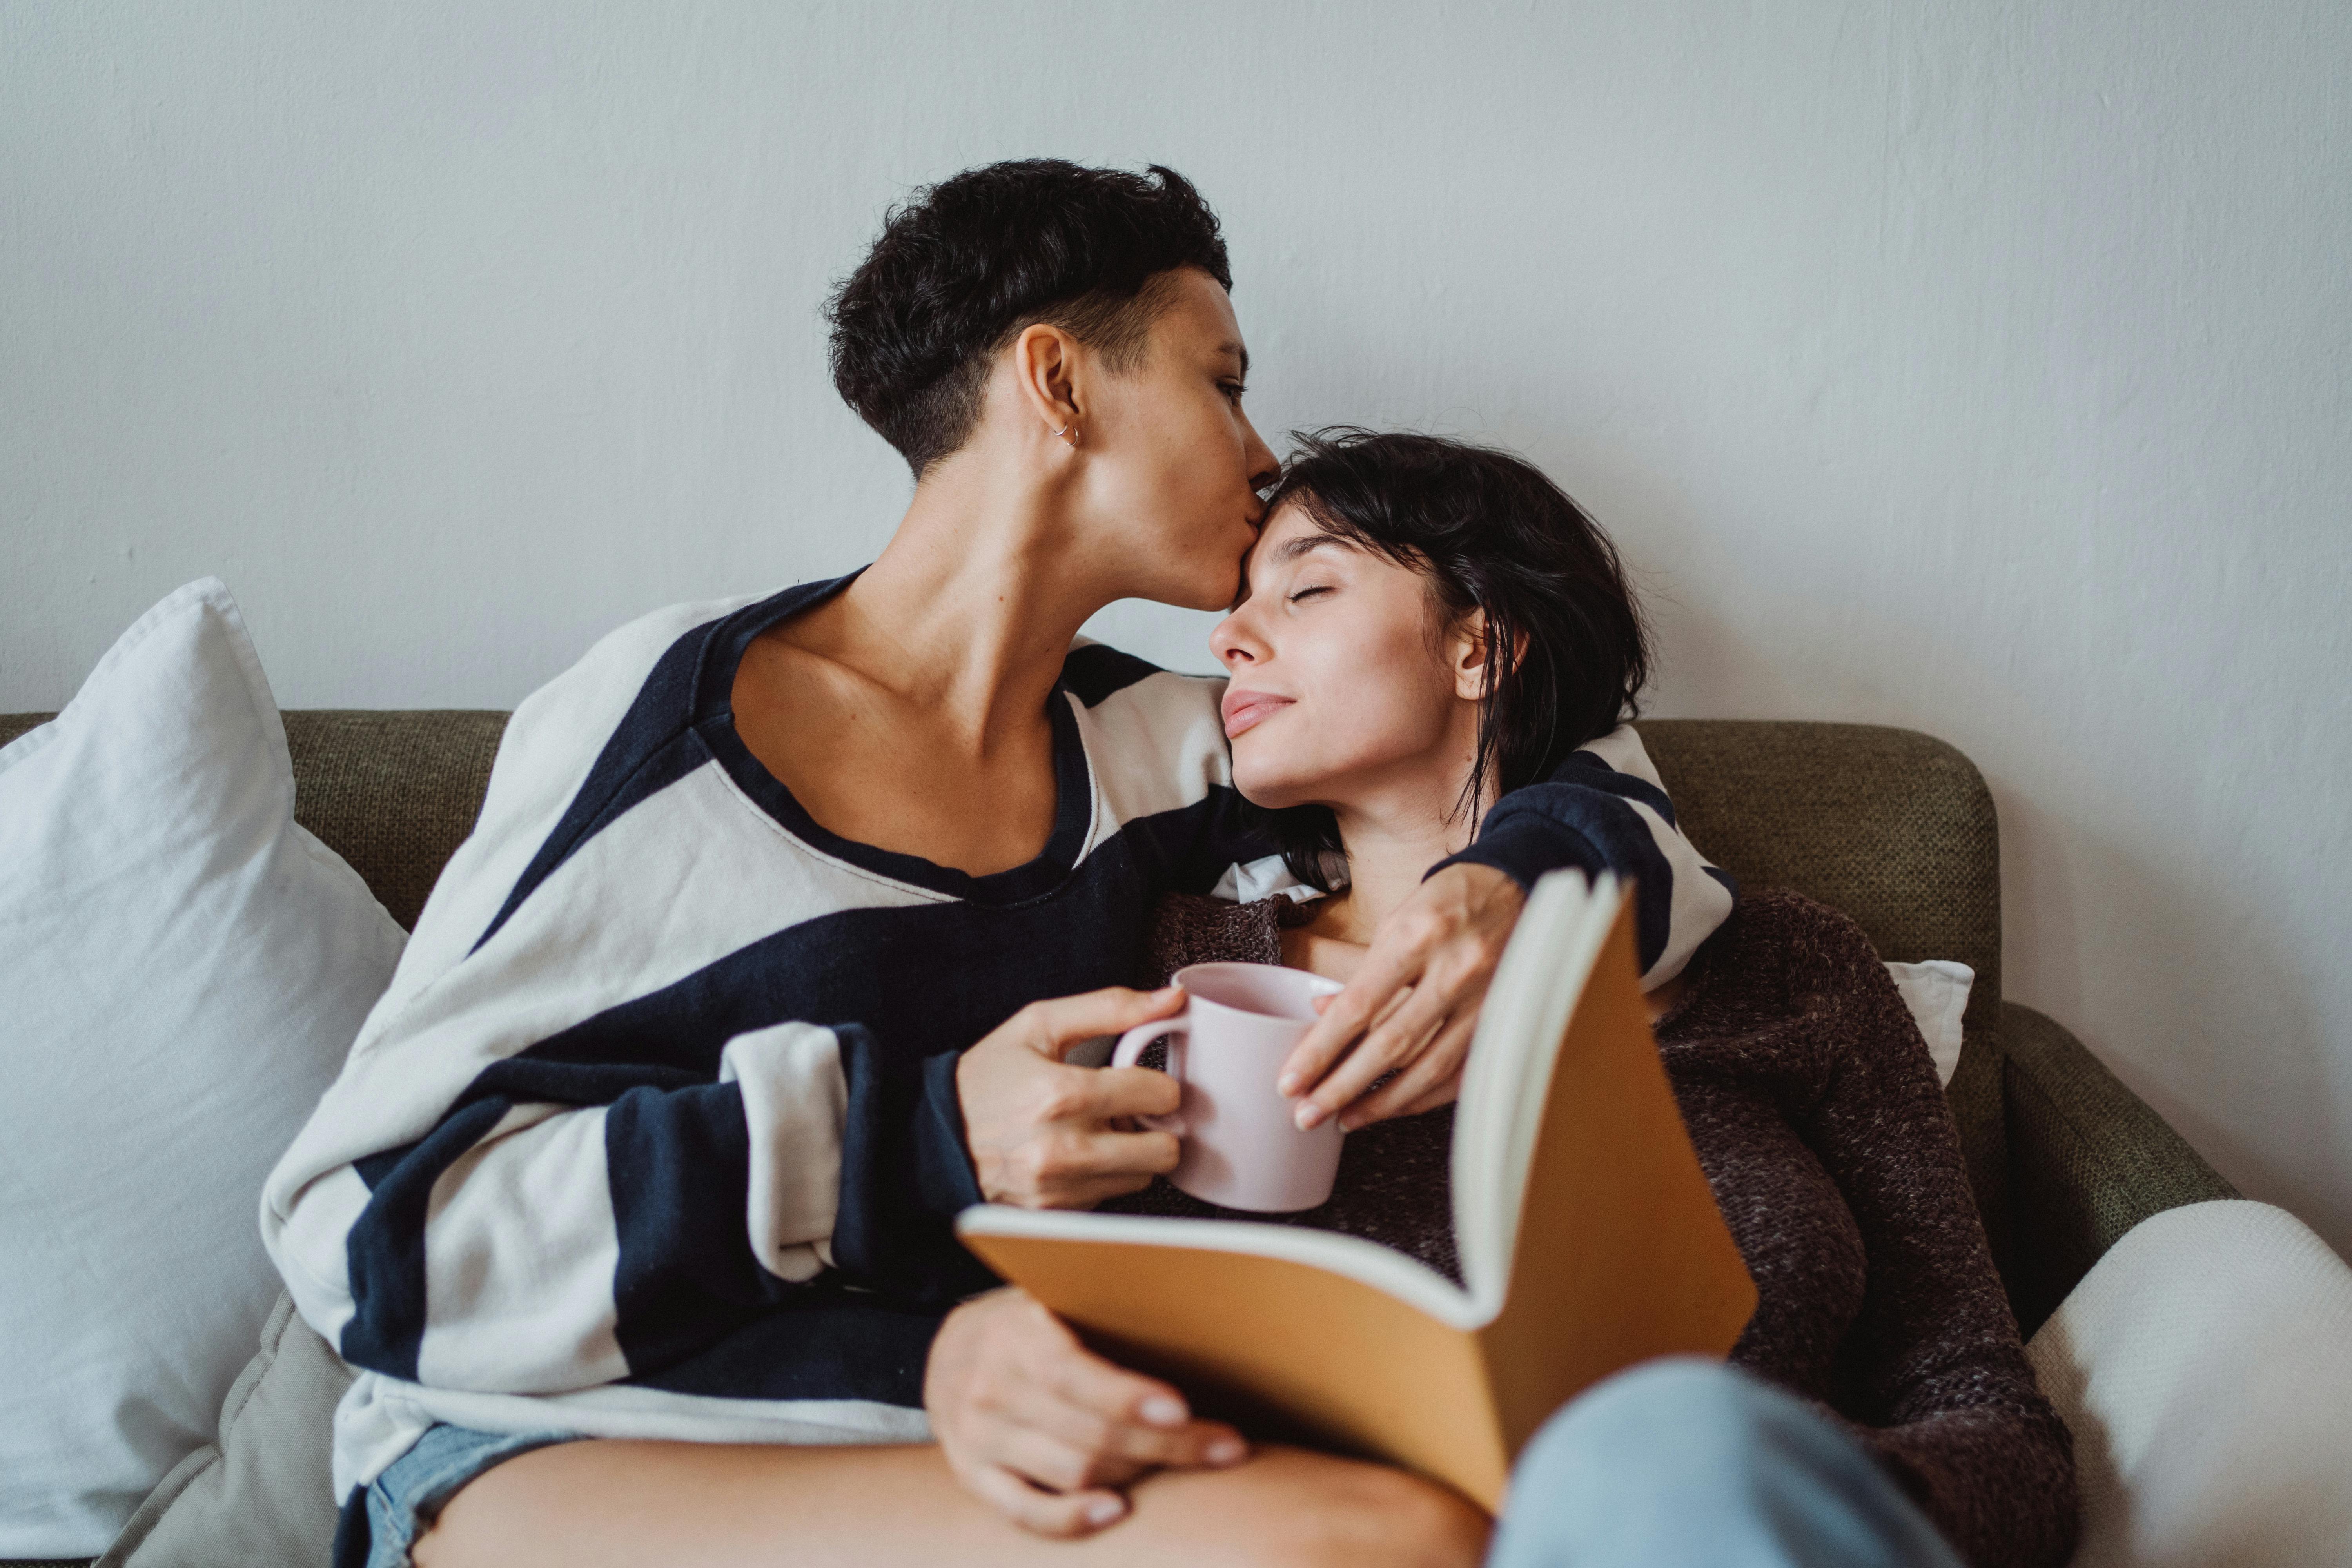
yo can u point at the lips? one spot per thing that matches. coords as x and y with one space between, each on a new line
1245 710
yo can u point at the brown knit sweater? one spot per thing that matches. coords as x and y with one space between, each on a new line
1817 1117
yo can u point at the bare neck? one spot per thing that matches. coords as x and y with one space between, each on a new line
968 611
1391 840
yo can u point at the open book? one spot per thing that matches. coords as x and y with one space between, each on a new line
1588 1238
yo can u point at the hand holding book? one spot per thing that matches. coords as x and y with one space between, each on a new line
1018 1404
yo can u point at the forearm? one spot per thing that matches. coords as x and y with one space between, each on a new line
540 1247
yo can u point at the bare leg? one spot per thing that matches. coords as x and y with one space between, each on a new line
604 1503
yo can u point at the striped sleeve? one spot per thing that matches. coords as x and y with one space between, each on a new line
1605 810
582 1138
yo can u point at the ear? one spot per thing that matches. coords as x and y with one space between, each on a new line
1046 367
1467 654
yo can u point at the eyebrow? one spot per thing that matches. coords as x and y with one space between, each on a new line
1239 350
1287 553
1290 550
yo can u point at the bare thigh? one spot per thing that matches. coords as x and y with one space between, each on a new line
601 1504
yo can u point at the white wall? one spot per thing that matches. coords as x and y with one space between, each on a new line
1977 368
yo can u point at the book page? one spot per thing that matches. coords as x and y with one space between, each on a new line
1507 1082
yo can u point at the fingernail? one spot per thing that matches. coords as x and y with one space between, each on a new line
1307 1115
1104 1510
1228 1451
1162 1411
1349 1125
1286 1085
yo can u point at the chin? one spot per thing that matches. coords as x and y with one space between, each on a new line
1265 787
1223 574
1214 586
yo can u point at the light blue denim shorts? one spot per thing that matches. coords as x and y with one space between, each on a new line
404 1501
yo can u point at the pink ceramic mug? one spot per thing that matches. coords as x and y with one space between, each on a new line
1240 1147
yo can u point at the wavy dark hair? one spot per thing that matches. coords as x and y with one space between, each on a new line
1568 644
965 264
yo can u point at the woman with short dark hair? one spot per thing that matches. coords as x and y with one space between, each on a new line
764 957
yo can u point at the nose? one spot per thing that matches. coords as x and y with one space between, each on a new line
1235 642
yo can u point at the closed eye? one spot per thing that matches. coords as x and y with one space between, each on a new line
1307 593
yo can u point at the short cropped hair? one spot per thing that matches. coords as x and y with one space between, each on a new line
967 264
1488 530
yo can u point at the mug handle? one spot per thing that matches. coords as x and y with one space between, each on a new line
1131 1046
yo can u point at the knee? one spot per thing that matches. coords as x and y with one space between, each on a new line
1341 1513
1667 1425
1403 1519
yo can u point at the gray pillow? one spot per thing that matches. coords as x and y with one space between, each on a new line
262 1493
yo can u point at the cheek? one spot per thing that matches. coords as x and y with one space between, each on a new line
1190 449
1370 697
1177 468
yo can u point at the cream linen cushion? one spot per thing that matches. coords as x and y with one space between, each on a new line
261 1495
2205 1367
1936 993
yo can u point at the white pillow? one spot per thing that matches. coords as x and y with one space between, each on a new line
1937 992
2205 1368
185 970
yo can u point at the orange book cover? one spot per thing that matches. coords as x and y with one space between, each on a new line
1587 1238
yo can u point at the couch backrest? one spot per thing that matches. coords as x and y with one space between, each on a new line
1892 826
393 792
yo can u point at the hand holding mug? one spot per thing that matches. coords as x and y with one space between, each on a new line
1040 1129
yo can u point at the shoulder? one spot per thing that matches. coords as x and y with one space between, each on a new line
630 692
1802 934
564 724
1156 736
610 678
1104 678
1784 958
624 699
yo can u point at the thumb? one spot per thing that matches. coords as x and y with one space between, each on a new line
1065 1021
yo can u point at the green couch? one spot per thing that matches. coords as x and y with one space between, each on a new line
1892 826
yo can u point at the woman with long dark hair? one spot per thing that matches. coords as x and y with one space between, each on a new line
1427 624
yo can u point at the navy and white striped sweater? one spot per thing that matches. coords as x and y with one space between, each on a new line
655 1133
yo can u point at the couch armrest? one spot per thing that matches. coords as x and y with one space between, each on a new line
2088 1160
2205 1369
